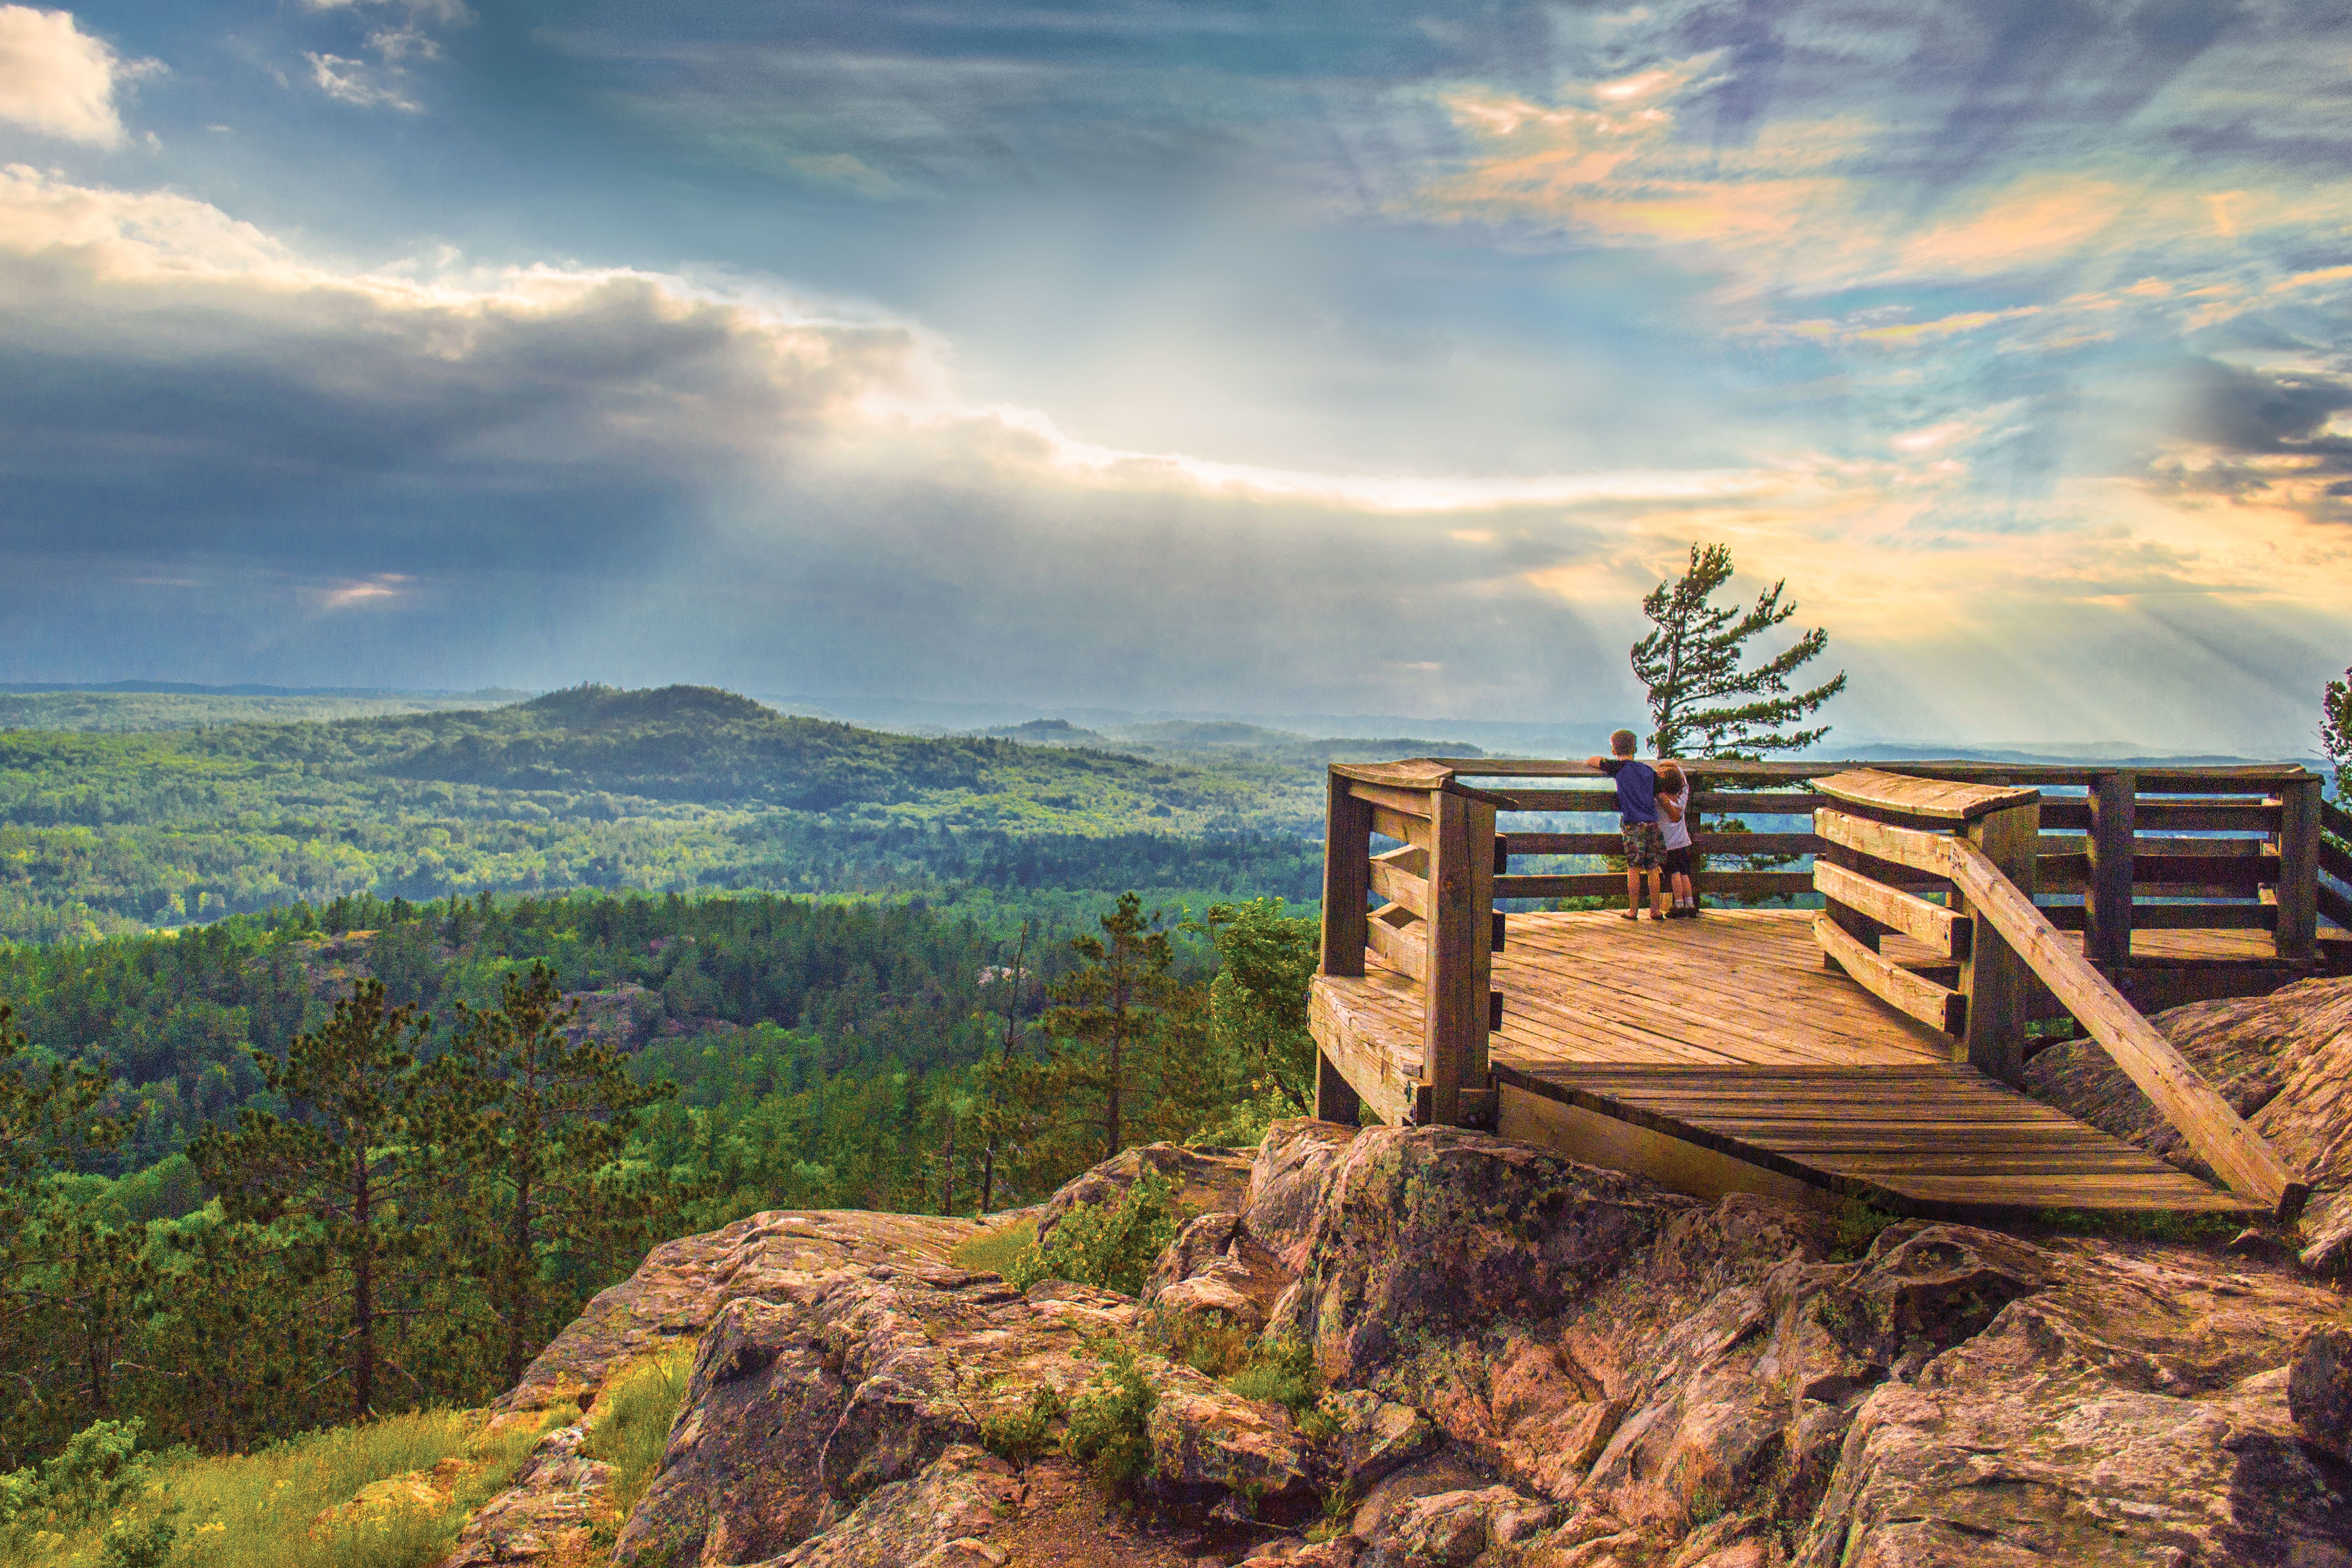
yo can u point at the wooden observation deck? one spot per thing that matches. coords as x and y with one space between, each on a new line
1871 1048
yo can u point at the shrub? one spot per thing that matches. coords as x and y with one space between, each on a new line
1857 1225
1111 1246
1284 1373
1019 1436
99 1470
1108 1424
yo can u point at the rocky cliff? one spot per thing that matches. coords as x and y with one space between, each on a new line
1461 1350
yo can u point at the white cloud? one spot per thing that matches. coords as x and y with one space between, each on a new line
383 83
60 81
358 83
451 12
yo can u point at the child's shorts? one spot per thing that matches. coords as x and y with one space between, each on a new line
1644 844
1676 862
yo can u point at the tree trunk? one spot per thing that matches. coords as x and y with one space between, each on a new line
363 1294
520 1268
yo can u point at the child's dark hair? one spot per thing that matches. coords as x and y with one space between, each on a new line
1669 779
1624 742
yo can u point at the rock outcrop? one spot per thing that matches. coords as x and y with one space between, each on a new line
2283 1061
1523 1362
1205 1180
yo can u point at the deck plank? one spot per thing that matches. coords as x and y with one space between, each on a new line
1728 1034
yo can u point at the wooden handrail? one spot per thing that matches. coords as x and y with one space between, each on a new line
2254 778
1935 800
2221 1137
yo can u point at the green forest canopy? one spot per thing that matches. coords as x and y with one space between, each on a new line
677 789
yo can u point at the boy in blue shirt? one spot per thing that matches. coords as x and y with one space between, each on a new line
1637 816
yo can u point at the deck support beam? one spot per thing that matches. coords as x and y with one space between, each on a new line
1336 1099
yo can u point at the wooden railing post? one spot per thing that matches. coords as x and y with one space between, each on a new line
2107 891
1347 894
1346 879
1454 1019
1994 979
1478 829
2298 875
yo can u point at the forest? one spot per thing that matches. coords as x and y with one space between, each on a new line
717 1055
676 790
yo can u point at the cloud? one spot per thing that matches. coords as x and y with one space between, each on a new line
60 81
386 82
359 84
554 471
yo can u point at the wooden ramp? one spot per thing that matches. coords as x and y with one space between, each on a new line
1720 1055
1942 1139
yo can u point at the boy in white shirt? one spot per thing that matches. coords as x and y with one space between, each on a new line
1674 806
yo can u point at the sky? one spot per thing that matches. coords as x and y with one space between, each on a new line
1271 358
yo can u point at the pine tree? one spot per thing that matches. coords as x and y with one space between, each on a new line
1703 701
341 1165
2335 728
1109 1012
59 1274
535 1123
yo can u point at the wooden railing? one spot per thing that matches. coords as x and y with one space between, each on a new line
1436 923
2147 849
1889 839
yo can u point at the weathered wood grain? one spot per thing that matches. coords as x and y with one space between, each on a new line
1939 927
1941 800
1938 1006
1347 886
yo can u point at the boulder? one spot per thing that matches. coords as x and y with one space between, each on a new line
681 1286
548 1512
1215 1277
1286 1184
1531 1362
1207 1181
2283 1061
1425 1234
1207 1439
1373 1436
740 1479
1456 1528
2319 1388
939 1518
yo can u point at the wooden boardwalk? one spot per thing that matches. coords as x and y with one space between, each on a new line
1723 1053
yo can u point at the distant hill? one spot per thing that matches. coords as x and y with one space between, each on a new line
1045 732
711 747
681 788
131 706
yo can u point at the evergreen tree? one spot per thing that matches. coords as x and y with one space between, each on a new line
2335 728
339 1166
1110 1013
45 1115
1704 700
59 1273
536 1123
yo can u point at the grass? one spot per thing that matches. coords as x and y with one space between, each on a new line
2155 1224
276 1507
629 1427
992 1251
